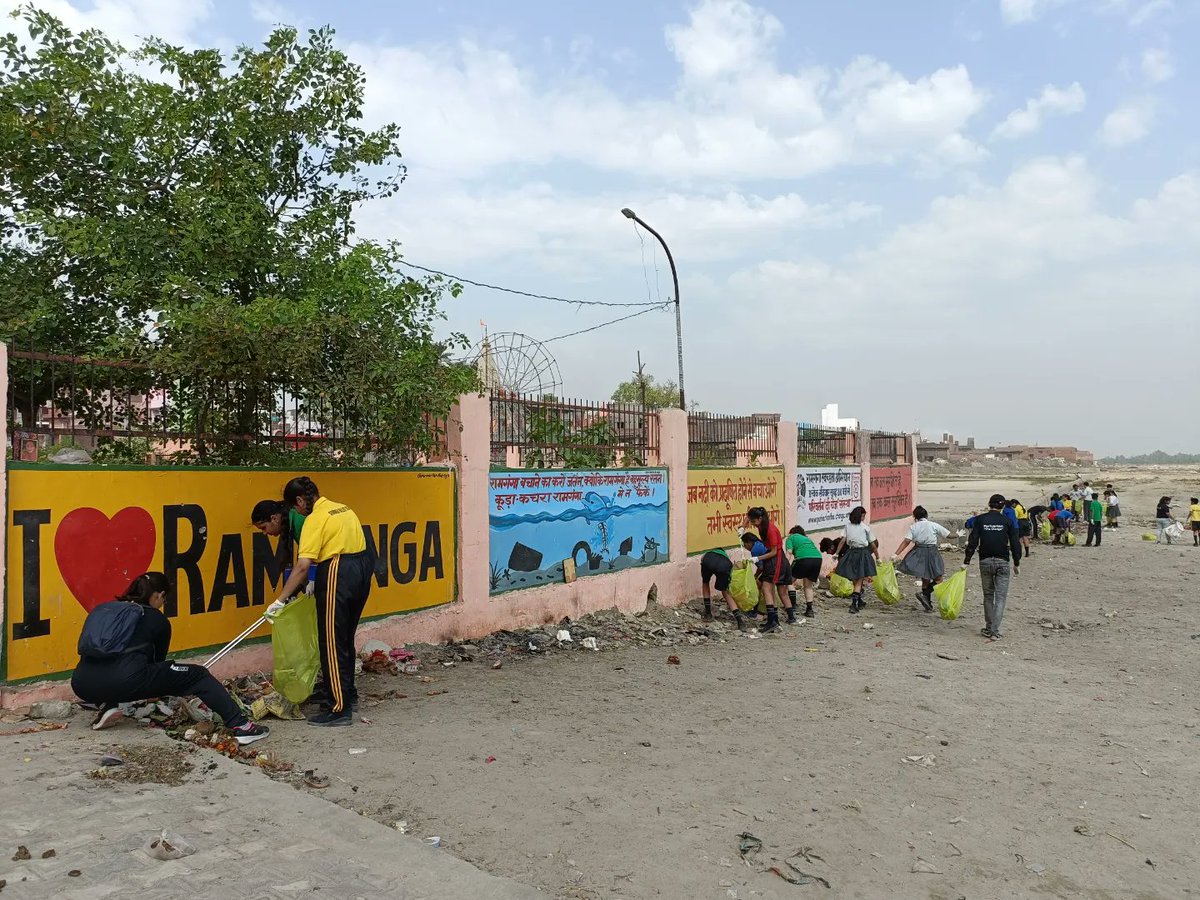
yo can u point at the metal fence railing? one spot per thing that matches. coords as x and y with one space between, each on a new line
888 447
124 411
723 440
825 446
548 433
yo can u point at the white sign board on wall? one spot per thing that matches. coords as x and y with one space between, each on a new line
825 495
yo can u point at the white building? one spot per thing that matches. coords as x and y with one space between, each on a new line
831 419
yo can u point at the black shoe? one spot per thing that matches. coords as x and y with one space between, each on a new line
772 624
854 604
250 732
809 612
331 719
743 625
926 601
791 616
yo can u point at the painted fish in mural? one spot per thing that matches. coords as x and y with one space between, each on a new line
597 508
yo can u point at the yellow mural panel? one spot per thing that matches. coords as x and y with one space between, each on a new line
78 536
717 501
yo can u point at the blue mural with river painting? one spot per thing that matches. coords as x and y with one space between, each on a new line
606 520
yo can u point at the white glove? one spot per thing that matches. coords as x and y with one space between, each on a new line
275 609
753 560
310 588
965 566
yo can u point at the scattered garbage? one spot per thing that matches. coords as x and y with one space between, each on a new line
490 759
315 781
947 656
928 760
146 765
1084 830
924 867
168 846
74 873
402 827
357 751
673 660
22 854
590 643
1036 868
748 844
49 854
564 636
111 759
434 841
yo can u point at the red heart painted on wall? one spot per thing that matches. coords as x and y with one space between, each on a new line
99 556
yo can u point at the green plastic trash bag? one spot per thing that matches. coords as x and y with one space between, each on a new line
1044 531
950 594
1071 539
839 586
294 646
887 587
744 588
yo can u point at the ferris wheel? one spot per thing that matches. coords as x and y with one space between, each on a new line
509 362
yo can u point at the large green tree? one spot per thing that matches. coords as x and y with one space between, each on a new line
196 213
643 388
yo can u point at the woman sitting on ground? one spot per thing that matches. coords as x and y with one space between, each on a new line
141 671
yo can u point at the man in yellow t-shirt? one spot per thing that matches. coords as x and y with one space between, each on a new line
1194 520
332 540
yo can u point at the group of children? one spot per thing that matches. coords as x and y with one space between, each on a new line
1165 520
781 564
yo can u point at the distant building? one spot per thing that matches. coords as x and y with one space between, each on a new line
831 419
949 449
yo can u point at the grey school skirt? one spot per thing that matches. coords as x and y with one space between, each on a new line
857 563
1114 511
923 562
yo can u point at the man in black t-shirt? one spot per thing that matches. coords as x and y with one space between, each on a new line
998 542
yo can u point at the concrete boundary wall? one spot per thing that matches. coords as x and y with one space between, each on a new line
476 612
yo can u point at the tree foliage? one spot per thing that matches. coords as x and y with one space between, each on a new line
643 388
196 213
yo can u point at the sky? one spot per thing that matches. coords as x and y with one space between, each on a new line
980 217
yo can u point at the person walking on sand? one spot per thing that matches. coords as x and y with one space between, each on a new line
1194 521
1095 520
862 552
1165 521
924 560
1024 524
996 540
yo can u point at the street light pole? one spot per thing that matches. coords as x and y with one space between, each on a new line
630 214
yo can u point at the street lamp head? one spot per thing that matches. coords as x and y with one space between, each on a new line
628 213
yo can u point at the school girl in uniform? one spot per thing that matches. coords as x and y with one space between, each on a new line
862 552
716 567
774 574
806 567
924 560
333 541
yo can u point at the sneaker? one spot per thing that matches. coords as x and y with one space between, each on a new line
331 719
744 626
809 612
986 632
769 628
108 718
996 636
250 732
926 602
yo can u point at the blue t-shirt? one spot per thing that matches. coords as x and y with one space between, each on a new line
759 549
1056 504
1011 513
1065 516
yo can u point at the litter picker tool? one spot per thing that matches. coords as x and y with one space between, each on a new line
224 651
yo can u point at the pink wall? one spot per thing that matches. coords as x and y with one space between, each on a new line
476 613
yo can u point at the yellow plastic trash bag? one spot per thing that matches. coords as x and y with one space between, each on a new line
294 646
887 587
1071 539
1044 531
950 594
839 586
1149 536
744 588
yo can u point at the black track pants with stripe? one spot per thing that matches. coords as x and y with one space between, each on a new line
343 586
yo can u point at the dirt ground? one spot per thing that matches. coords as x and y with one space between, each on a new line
912 757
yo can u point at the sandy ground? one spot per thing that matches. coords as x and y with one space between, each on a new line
1060 762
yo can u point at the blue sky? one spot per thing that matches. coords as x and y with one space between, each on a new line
981 216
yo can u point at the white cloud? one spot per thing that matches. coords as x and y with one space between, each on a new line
1016 12
469 109
1050 102
1157 65
1128 123
127 21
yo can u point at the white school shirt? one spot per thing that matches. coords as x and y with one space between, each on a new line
1112 500
926 534
858 535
